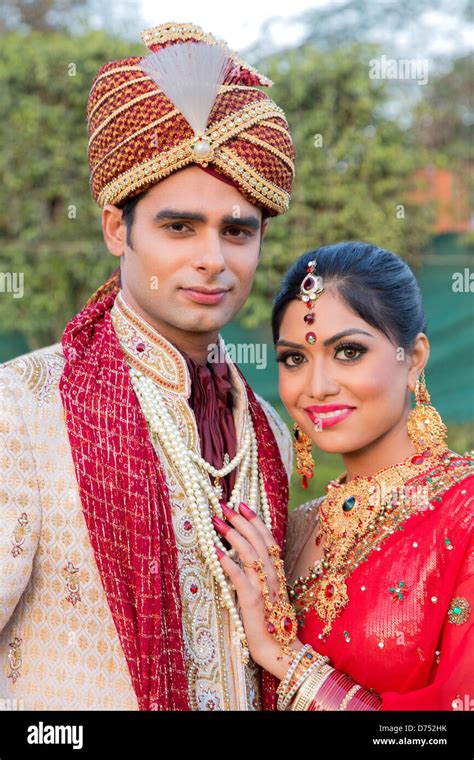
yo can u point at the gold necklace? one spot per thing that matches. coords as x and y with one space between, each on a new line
355 517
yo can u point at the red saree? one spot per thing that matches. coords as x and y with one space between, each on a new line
407 632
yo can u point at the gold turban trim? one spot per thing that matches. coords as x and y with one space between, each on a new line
138 136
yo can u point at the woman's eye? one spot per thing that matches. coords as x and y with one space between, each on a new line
351 351
291 359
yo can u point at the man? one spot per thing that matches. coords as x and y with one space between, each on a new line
119 445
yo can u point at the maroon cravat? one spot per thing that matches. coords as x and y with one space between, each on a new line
211 401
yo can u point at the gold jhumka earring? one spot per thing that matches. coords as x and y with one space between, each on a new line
310 288
425 427
302 445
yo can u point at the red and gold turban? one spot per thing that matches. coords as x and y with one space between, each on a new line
138 135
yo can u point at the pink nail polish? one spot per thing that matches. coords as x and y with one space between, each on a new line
220 553
229 513
246 512
220 525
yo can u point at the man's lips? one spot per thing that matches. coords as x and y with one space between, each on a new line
327 415
199 294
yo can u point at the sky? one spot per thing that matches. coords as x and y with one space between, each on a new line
240 28
243 23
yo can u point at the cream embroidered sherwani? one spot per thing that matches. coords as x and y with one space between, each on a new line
59 649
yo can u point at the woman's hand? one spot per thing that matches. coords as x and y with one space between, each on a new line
251 539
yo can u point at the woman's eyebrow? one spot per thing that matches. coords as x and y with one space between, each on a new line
343 333
282 342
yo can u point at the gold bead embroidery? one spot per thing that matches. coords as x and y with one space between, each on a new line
459 610
327 593
111 72
253 182
109 93
174 31
14 657
262 144
119 110
182 154
273 125
72 582
146 128
19 534
163 363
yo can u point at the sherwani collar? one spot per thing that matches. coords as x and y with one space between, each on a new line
151 353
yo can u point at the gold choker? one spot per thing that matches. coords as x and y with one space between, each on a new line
355 518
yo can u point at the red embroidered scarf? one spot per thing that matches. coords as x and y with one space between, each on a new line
127 510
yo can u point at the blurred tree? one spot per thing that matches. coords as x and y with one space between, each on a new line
354 171
49 226
399 26
354 165
74 16
40 15
443 120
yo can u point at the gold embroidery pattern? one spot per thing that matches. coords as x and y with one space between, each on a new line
263 144
14 657
210 662
70 572
19 533
169 32
182 154
146 350
117 112
261 189
326 592
133 136
40 373
119 88
72 656
110 72
459 610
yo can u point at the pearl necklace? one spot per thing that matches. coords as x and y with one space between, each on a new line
201 496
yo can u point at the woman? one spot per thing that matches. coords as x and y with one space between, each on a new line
380 568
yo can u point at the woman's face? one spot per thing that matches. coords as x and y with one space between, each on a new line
351 387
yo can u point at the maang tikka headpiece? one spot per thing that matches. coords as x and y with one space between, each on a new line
310 289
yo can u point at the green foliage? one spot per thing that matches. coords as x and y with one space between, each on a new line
443 122
49 225
351 187
354 165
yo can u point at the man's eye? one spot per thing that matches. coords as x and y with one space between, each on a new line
176 224
245 233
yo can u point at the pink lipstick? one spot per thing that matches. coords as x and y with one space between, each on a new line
327 415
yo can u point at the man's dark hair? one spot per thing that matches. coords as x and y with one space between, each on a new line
129 205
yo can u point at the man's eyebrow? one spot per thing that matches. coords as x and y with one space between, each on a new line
328 341
195 216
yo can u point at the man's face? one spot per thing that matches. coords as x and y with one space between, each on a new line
191 234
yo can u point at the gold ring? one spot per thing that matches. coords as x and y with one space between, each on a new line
257 565
274 551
